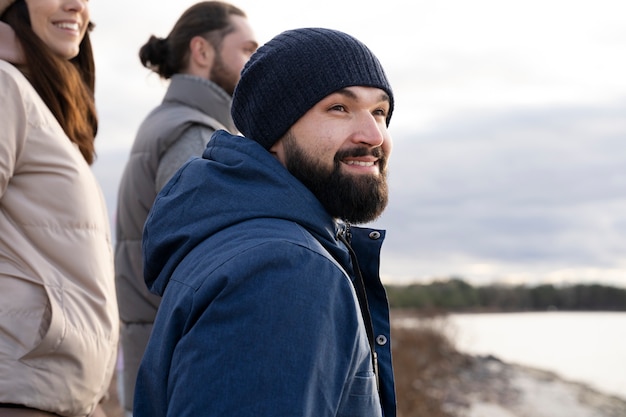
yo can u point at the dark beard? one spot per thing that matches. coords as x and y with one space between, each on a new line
352 198
222 76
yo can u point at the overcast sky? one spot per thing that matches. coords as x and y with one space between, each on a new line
509 129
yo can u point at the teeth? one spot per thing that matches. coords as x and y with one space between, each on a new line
71 26
361 163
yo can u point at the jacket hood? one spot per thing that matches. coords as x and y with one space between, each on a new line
235 180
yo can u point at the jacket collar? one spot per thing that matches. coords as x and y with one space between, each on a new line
203 95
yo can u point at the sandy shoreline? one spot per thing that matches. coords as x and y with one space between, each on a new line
488 387
435 379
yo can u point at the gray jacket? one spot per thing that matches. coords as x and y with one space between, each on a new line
192 109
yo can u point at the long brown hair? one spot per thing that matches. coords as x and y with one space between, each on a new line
66 86
209 19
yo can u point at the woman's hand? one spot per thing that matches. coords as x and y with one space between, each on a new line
10 49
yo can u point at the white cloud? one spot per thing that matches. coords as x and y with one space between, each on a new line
519 194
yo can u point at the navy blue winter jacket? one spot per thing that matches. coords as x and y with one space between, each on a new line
259 316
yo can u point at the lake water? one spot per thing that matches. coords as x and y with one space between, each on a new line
580 347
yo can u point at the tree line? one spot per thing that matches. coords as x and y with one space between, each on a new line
457 295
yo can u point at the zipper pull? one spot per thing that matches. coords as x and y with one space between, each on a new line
375 364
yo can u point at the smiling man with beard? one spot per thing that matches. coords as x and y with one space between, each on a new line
272 304
363 196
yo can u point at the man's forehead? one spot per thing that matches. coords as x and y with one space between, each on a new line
358 92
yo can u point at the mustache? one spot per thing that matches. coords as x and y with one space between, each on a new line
360 151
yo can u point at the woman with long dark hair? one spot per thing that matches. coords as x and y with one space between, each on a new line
58 314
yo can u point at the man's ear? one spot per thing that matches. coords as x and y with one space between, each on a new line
202 53
278 151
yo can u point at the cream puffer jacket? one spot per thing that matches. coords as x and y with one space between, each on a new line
58 311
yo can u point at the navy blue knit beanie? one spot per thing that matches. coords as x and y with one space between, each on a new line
294 71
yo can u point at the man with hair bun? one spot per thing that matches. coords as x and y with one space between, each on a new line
202 58
272 304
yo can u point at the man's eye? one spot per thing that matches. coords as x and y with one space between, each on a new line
338 107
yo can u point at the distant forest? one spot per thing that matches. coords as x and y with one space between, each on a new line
456 295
